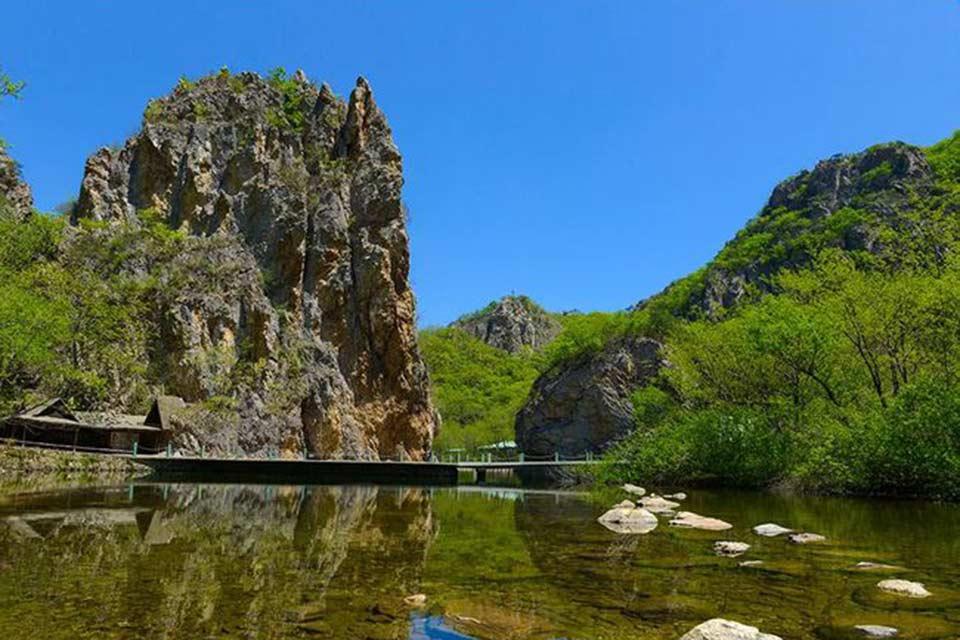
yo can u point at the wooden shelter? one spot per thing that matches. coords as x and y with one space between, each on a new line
53 424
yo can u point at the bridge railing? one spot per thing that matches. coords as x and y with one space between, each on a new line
520 457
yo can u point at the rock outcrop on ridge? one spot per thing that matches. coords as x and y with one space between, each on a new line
291 198
511 323
15 196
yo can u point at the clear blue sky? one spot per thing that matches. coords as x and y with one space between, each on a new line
584 153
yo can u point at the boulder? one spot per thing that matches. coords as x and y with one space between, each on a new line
805 538
655 504
720 629
625 504
690 520
904 588
730 549
583 404
770 530
627 520
634 489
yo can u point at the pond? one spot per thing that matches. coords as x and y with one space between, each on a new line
191 561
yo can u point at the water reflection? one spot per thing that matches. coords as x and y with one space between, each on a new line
336 562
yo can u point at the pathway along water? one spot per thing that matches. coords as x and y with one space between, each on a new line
234 561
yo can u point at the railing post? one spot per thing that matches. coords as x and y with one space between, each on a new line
169 449
135 448
201 450
521 456
556 456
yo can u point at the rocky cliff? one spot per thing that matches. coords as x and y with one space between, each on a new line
584 405
15 196
512 324
296 270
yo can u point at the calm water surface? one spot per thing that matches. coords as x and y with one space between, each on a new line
216 561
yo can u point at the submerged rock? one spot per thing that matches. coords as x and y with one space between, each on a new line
770 530
720 629
876 566
627 520
877 630
730 549
634 489
904 588
625 504
676 496
690 520
416 600
750 563
805 538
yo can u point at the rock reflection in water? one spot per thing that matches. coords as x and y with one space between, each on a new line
220 561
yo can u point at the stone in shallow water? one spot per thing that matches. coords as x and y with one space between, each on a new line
634 489
655 504
416 600
770 530
624 520
625 504
904 588
876 566
690 520
730 549
720 629
877 630
806 538
750 563
676 496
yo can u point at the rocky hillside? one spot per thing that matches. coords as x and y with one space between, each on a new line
293 269
15 196
511 323
890 206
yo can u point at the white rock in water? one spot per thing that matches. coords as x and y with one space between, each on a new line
634 489
904 588
720 629
416 600
625 504
690 520
655 504
750 563
876 566
676 496
806 538
730 549
770 530
877 630
623 520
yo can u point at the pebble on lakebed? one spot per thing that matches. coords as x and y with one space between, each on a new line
904 588
628 520
720 629
729 548
416 600
770 530
876 566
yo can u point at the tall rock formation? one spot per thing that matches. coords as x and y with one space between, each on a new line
15 196
512 324
584 405
297 268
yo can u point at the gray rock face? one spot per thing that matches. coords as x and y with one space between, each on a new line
584 404
511 323
291 200
878 180
15 196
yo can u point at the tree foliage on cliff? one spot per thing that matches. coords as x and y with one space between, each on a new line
843 376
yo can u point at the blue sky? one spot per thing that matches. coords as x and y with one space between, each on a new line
584 153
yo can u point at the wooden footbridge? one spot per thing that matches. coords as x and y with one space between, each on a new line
238 470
